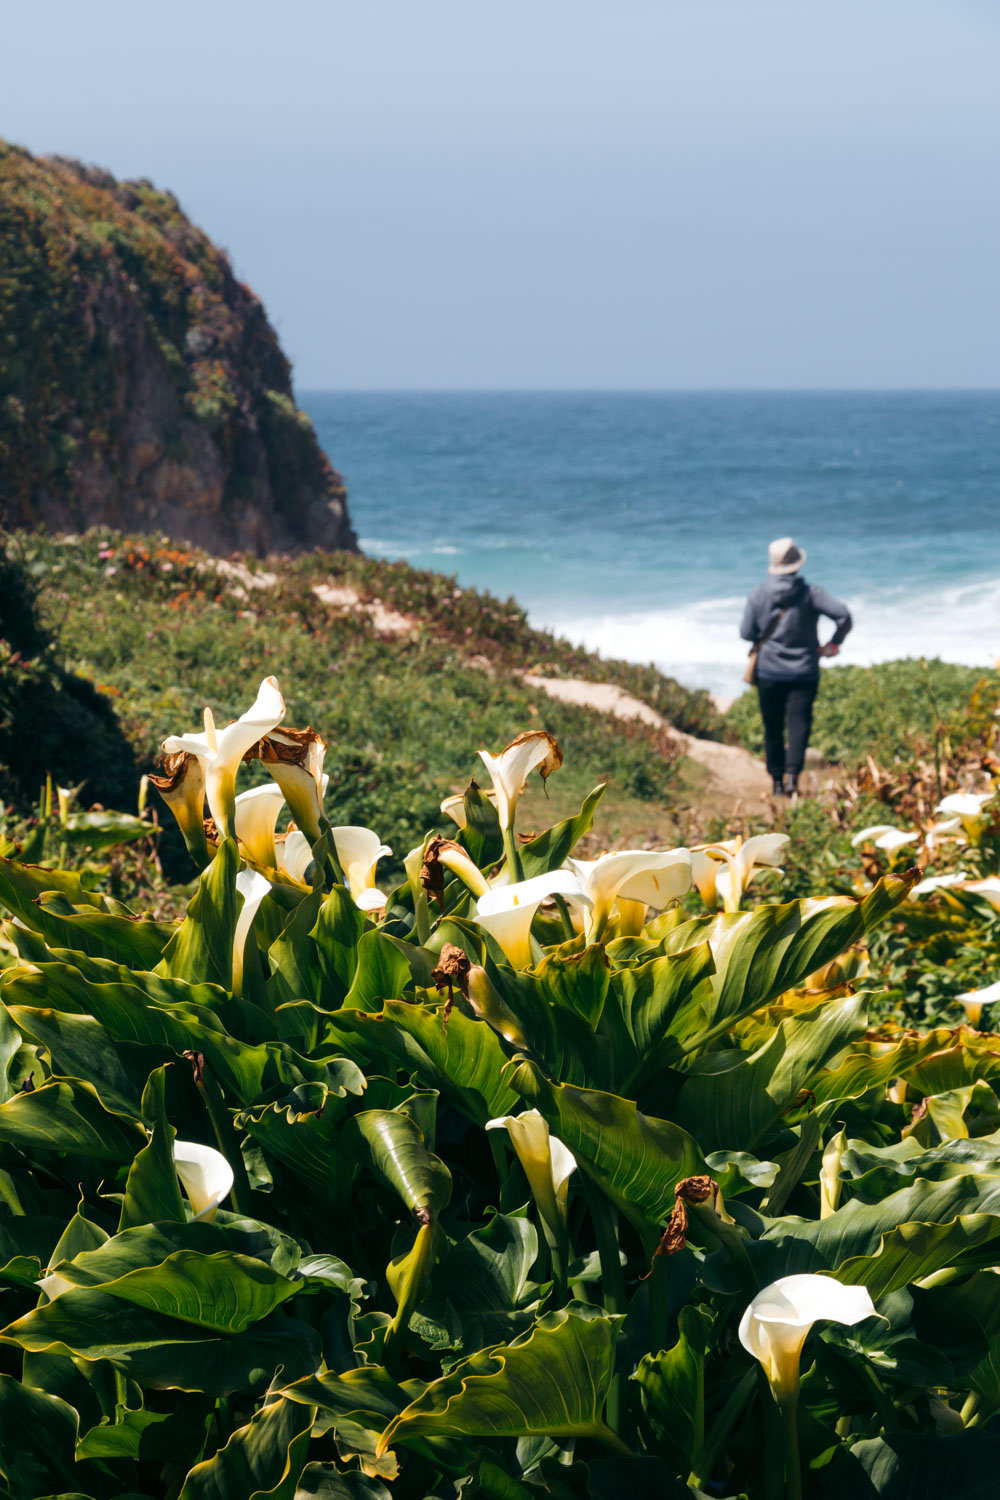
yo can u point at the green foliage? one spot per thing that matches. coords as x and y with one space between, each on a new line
889 710
366 1292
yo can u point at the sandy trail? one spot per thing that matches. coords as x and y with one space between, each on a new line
733 771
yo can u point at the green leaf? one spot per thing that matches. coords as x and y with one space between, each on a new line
464 1059
98 829
152 1191
920 1466
400 1158
673 1390
326 1482
383 973
201 950
37 1440
579 982
303 1129
22 884
161 1352
67 1115
734 1100
338 928
135 941
553 1382
550 849
637 1159
80 1048
262 1461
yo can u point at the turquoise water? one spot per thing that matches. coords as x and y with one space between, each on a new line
637 523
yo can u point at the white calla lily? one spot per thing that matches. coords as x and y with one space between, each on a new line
974 1000
205 1176
256 816
937 833
988 889
644 876
221 751
253 887
936 883
548 1164
358 851
371 900
884 836
294 758
775 1325
509 771
970 809
182 787
53 1285
740 861
506 912
295 855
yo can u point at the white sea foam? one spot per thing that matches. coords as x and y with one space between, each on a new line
700 645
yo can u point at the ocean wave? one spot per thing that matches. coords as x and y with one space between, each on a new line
700 645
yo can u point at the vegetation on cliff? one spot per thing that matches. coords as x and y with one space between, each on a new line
140 383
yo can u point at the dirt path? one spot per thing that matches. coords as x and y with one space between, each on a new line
733 772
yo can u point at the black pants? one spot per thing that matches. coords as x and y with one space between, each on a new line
792 700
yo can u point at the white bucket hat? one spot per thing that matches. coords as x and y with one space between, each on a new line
784 556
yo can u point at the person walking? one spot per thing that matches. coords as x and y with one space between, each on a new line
780 621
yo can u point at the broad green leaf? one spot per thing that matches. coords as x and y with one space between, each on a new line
485 1279
481 834
463 1058
326 1482
152 1191
201 950
552 1382
920 1466
304 1130
37 1440
161 1352
578 982
733 1101
400 1158
98 829
135 941
383 973
22 884
67 1115
175 1437
673 1390
10 1041
293 958
913 1251
636 1159
336 933
80 1048
355 1406
549 850
262 1461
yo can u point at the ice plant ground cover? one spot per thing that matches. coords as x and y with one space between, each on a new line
320 1192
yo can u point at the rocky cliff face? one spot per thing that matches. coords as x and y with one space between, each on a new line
141 385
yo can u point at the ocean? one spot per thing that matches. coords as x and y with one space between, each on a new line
636 523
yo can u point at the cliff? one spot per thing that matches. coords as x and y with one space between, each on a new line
141 385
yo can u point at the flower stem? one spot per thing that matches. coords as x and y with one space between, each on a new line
723 1425
605 1221
564 917
225 1137
790 1434
513 854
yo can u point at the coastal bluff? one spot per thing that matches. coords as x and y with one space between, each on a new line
141 384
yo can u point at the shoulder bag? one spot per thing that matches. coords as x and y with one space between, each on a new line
750 670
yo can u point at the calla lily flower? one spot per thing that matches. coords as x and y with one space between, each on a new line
936 883
221 751
884 836
738 862
989 889
438 852
205 1176
775 1325
253 887
182 787
372 900
509 771
53 1285
454 807
974 1000
829 1175
294 758
295 856
358 852
547 1162
507 911
647 877
968 807
256 815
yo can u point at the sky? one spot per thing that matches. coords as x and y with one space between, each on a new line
693 194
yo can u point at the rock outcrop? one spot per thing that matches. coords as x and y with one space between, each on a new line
141 385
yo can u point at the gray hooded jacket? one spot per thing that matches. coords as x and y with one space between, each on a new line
792 649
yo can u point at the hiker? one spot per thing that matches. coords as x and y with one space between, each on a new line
780 620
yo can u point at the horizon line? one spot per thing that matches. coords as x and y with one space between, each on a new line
649 390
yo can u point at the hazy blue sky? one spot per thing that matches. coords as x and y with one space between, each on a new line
444 193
